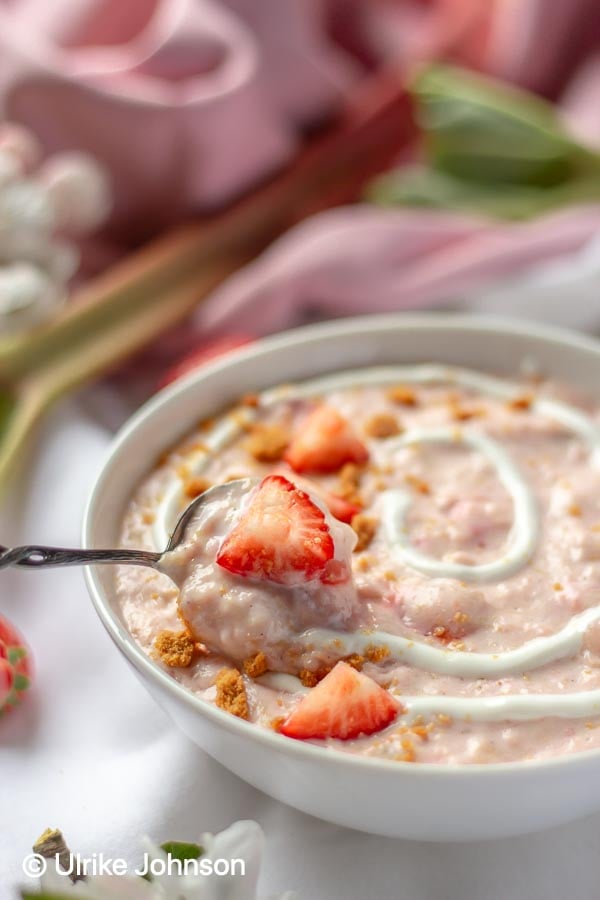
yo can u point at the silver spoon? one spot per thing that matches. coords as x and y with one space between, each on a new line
42 557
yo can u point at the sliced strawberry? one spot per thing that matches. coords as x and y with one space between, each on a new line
338 507
282 536
344 705
324 442
204 354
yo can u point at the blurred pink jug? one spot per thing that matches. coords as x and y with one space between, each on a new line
178 98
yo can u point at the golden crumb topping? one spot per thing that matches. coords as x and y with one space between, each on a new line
417 484
402 395
376 654
231 693
256 665
175 648
365 528
309 679
267 443
521 403
382 425
193 487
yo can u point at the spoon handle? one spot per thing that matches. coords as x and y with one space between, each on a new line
41 557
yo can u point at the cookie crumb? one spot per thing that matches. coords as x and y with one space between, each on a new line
193 487
421 731
231 693
349 483
256 665
355 661
365 528
382 425
251 400
521 403
402 395
574 509
444 719
309 679
418 484
267 443
464 413
175 648
363 563
277 722
408 747
376 653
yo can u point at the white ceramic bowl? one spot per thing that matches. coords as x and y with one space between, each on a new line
398 799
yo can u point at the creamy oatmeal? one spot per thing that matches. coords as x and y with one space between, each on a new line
407 565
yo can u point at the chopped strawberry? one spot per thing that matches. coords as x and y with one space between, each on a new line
341 509
344 705
338 507
15 666
282 536
204 354
324 443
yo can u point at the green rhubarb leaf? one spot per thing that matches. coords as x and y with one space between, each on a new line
484 130
490 149
417 186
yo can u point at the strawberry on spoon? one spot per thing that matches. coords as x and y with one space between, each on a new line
282 536
344 705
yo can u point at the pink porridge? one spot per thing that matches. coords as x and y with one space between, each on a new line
406 565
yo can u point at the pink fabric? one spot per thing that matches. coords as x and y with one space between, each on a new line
360 259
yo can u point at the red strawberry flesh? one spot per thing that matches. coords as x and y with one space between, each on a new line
344 705
282 536
324 443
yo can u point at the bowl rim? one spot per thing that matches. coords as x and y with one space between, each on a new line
329 756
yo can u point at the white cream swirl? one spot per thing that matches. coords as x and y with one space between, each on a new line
522 539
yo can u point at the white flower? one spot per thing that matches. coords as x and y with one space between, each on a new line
68 194
241 846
